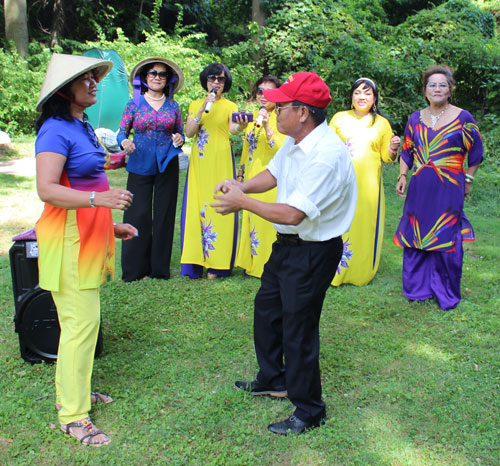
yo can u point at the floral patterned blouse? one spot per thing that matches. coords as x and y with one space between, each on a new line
153 130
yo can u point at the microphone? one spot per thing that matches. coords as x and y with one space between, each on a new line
258 121
209 105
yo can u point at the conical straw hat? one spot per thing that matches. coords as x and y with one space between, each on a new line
64 68
175 68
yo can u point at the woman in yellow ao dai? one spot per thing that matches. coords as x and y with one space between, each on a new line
260 145
370 140
208 239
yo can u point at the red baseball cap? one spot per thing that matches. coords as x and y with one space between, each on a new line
305 87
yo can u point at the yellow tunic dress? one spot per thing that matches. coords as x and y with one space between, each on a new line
257 234
368 146
208 239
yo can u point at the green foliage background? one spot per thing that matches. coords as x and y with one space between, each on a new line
391 41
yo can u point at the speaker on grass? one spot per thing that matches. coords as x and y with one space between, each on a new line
36 315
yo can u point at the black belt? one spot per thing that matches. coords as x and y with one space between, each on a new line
289 240
294 240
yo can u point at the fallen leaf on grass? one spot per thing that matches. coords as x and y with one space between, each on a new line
164 330
129 336
476 367
242 316
52 426
468 290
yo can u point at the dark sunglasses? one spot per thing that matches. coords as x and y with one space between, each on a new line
260 90
211 78
93 136
160 74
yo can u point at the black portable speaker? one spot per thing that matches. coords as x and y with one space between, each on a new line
36 315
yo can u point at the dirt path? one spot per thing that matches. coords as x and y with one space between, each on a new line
20 167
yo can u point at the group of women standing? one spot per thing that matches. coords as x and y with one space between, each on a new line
76 231
437 140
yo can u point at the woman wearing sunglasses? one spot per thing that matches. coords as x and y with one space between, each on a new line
75 233
262 141
153 166
207 238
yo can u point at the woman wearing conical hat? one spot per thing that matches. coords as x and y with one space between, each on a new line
153 167
75 232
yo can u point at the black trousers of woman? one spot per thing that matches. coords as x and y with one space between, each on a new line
153 213
286 321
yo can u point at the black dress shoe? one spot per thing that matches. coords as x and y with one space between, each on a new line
256 388
293 425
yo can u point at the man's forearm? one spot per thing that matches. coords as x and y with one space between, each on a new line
273 212
260 183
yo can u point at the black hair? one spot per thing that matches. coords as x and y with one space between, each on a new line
216 68
269 78
374 110
439 69
144 71
56 106
317 114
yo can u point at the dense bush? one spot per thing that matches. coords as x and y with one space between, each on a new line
20 80
341 41
20 83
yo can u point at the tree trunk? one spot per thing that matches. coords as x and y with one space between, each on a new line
16 24
58 18
258 14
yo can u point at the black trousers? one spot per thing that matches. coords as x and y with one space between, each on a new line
153 214
286 321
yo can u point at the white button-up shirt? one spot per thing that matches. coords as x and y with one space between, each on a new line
317 177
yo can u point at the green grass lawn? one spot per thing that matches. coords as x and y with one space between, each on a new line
405 383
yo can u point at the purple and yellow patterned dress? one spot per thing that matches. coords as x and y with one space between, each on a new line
434 224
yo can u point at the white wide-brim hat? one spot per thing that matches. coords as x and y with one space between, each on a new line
64 68
147 61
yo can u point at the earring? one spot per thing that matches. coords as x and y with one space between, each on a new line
374 108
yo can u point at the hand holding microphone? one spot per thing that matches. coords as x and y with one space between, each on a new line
260 117
211 95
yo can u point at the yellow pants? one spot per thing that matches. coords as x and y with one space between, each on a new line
79 317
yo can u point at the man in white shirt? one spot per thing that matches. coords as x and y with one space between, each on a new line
315 205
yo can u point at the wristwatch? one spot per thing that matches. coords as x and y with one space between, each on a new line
92 198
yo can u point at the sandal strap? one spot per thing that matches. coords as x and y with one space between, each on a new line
101 397
85 424
72 424
94 433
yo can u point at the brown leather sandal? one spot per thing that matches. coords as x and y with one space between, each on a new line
89 432
96 397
